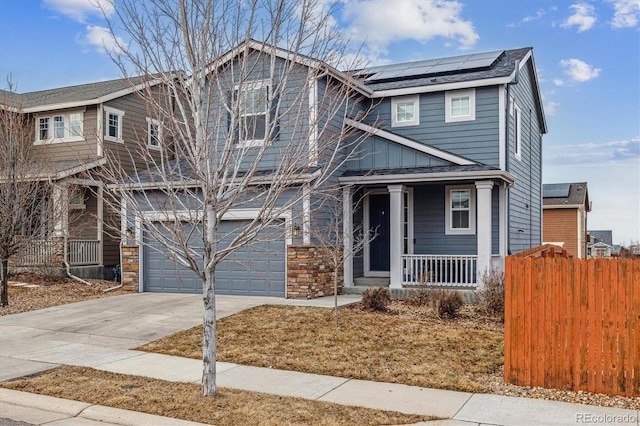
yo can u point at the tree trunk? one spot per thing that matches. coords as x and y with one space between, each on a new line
5 283
209 335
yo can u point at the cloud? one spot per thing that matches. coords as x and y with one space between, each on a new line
626 13
79 10
380 22
577 71
584 17
539 14
623 152
551 107
103 40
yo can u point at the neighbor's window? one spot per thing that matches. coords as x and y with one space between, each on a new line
460 105
405 111
153 133
75 124
43 128
460 214
253 99
59 128
113 125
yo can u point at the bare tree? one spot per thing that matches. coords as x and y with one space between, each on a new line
340 243
26 210
243 125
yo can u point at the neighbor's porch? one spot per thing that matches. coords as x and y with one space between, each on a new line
75 229
435 233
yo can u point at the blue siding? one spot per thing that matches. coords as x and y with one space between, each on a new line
429 225
476 140
525 196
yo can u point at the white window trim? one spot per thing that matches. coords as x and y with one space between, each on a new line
67 130
153 122
415 99
518 132
252 85
108 110
449 96
448 230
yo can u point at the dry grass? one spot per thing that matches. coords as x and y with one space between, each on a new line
183 400
405 345
52 292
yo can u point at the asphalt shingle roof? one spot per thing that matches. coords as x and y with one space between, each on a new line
578 195
79 93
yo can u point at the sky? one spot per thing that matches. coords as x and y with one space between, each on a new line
587 55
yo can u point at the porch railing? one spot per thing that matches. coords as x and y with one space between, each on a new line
36 253
84 252
439 270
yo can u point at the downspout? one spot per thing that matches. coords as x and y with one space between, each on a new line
66 264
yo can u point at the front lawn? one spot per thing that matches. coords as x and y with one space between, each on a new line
405 345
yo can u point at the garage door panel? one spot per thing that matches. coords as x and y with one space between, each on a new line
258 269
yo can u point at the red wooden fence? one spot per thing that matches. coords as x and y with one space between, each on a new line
573 324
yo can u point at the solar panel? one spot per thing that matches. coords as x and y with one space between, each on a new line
433 66
555 190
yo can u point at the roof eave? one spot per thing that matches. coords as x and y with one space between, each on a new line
429 177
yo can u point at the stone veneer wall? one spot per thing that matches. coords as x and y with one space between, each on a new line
309 272
131 267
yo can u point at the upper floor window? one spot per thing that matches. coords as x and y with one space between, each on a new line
253 108
405 111
517 131
113 125
460 206
59 127
153 133
460 105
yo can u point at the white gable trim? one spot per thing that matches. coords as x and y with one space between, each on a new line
435 152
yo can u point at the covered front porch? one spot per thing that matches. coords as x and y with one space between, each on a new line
424 229
73 235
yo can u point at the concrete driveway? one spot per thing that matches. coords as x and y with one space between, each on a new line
99 331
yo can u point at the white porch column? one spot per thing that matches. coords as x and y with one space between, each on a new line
347 234
61 210
483 225
395 235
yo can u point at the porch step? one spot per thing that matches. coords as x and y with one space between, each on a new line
371 281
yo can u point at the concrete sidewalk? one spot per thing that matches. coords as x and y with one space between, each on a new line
99 334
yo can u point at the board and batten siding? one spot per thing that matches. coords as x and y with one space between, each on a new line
525 196
82 150
477 139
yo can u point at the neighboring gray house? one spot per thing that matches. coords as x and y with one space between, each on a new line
75 129
450 176
600 243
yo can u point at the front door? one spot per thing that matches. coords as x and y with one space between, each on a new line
379 223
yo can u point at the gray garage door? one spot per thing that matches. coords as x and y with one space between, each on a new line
258 269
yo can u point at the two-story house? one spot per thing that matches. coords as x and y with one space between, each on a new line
76 130
565 209
448 176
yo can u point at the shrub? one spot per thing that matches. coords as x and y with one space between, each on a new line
446 303
491 296
376 299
